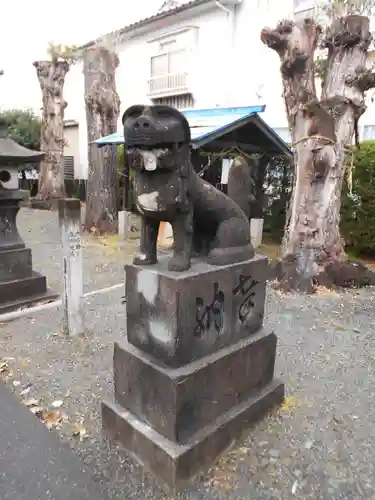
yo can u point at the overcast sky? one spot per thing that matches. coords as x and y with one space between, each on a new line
27 27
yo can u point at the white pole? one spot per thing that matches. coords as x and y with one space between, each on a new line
124 219
70 227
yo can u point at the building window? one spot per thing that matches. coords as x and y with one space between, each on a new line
176 101
159 65
68 167
368 132
168 63
168 73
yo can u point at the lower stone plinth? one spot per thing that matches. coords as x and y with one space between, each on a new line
174 464
24 292
15 264
176 421
177 402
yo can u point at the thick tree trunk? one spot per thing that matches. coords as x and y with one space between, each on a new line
51 76
322 131
102 112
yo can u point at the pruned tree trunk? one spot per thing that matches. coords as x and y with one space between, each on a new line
102 112
322 131
51 76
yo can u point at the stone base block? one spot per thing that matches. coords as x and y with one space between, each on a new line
174 464
43 204
15 264
24 292
177 402
181 317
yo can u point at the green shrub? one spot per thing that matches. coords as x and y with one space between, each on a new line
23 127
358 207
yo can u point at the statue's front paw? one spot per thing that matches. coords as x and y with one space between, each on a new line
142 259
179 263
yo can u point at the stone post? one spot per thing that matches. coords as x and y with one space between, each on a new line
124 224
72 262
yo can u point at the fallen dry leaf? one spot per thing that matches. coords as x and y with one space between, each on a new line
290 403
4 368
51 418
31 402
243 450
339 327
294 487
36 410
25 391
23 362
64 417
80 431
322 290
58 403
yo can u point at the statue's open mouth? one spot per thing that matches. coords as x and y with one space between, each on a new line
150 154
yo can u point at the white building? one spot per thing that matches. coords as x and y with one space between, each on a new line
202 54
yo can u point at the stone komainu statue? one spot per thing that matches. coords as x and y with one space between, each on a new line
241 184
205 221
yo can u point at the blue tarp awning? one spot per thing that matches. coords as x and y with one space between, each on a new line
207 125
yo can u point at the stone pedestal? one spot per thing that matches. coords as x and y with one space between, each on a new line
20 286
197 367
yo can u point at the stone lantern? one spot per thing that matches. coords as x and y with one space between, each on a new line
20 286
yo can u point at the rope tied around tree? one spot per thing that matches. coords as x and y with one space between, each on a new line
347 149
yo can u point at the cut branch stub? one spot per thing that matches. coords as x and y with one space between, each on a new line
46 69
274 40
295 44
363 79
348 31
295 64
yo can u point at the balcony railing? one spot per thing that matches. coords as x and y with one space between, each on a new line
171 83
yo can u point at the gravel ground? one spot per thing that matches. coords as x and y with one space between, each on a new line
319 445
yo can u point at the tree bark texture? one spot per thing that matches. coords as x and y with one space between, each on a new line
102 112
51 76
322 131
